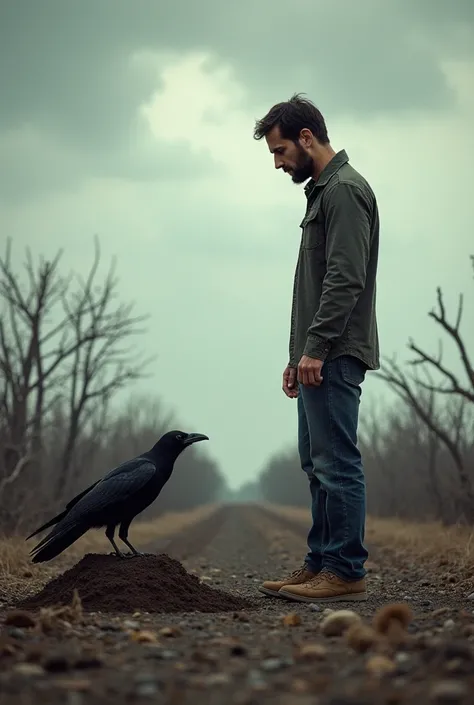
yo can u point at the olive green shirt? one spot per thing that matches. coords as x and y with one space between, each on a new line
334 294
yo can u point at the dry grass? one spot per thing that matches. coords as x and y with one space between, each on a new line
431 542
19 577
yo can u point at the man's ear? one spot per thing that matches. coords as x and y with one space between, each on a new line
306 138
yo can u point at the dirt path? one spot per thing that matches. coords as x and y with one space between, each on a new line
250 657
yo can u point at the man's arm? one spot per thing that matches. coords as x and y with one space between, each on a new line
348 216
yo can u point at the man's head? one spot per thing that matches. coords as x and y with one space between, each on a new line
296 135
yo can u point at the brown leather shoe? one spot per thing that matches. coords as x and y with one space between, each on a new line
272 587
326 587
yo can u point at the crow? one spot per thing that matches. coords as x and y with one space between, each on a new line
116 499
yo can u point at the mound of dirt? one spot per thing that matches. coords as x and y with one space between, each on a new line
155 583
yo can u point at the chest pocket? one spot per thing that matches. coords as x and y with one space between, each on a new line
314 235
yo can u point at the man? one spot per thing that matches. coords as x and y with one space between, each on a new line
333 342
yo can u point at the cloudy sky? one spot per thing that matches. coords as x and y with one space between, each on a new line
135 122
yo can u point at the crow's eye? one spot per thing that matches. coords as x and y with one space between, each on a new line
179 437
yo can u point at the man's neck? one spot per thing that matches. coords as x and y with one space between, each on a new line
321 159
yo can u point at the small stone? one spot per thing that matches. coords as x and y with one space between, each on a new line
314 607
337 623
217 679
299 685
256 680
29 669
7 649
379 666
311 652
292 619
109 627
241 617
156 651
404 662
449 624
471 596
144 637
275 664
326 612
131 624
448 692
21 619
170 632
16 633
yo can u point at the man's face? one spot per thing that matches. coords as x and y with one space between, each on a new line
290 157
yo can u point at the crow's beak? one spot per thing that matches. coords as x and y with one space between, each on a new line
194 438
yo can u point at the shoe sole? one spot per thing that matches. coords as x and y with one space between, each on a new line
353 597
271 593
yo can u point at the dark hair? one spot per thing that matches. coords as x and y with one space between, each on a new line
291 117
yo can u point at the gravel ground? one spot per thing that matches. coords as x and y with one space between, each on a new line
273 652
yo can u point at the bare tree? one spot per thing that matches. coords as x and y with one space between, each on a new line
445 406
63 345
450 382
421 398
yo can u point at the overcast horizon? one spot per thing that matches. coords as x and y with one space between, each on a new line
136 124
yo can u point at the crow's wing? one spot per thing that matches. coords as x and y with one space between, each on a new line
61 516
79 496
120 484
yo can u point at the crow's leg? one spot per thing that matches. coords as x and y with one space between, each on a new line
109 532
123 536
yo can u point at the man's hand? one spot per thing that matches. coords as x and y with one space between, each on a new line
309 371
290 385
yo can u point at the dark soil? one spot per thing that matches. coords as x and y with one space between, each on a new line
154 583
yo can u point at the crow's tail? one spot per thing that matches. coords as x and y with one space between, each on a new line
51 522
57 541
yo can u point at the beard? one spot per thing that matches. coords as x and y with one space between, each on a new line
304 167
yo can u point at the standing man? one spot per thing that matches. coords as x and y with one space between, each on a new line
333 342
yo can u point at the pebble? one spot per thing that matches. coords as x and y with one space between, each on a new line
131 624
146 685
292 619
448 692
314 607
16 633
312 652
275 664
29 669
256 680
217 679
449 624
471 596
147 690
156 651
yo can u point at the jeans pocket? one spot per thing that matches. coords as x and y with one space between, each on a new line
353 370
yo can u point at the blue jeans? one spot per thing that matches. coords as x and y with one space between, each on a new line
327 443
